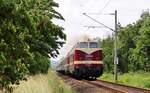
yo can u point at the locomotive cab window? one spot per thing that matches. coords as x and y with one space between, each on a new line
93 45
83 45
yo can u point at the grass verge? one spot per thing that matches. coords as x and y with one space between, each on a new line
49 83
57 85
34 84
137 79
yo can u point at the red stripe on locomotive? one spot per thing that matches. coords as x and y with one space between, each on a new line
82 56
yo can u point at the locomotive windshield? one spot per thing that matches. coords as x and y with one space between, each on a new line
83 45
87 45
93 45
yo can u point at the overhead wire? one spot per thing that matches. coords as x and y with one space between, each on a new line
107 3
88 9
100 12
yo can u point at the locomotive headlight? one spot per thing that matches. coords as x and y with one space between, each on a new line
76 67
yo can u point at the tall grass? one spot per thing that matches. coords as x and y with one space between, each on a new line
49 83
57 85
138 79
35 84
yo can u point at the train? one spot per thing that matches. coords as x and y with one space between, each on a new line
84 60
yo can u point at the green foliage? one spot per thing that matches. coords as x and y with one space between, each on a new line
132 39
28 37
40 64
126 43
140 53
108 54
133 47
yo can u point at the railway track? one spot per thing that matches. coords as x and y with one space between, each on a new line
99 86
118 88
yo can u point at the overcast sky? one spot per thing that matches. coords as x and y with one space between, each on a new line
72 10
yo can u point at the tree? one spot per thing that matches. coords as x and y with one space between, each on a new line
26 34
108 46
125 44
140 53
132 40
133 46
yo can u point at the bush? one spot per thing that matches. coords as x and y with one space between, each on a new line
40 64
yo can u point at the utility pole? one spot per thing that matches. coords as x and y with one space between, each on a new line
115 44
115 41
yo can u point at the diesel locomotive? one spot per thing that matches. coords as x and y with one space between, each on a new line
84 60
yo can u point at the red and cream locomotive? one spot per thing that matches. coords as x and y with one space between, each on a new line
83 61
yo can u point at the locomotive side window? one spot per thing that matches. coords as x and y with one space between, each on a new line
83 45
93 45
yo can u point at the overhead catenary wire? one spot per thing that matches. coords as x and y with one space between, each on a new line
98 22
101 11
94 26
107 3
